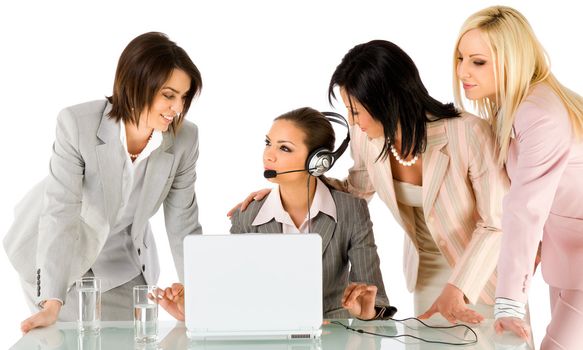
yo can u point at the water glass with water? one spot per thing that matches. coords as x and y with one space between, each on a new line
145 314
89 289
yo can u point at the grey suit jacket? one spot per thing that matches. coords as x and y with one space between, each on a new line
62 224
348 241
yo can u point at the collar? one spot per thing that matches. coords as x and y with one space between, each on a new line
272 207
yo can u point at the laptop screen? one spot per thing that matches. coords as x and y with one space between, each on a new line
252 284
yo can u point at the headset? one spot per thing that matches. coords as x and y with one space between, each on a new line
322 159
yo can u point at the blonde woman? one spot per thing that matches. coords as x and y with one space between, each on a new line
538 124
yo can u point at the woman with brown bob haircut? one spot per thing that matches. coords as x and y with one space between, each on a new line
114 162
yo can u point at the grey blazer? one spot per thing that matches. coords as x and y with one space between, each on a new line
349 252
62 224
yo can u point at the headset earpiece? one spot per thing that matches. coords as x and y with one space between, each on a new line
319 161
322 159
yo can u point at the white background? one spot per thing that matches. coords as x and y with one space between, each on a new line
258 60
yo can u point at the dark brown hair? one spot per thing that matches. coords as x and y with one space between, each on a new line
317 128
143 67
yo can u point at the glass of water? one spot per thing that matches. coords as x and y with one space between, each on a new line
89 289
145 314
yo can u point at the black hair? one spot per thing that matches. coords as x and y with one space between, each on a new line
385 80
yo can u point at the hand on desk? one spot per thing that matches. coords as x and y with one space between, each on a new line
172 300
359 299
452 306
45 317
513 324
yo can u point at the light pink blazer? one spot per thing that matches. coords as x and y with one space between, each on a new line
462 199
545 165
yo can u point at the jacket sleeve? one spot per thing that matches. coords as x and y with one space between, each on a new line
489 183
180 206
59 223
362 251
544 143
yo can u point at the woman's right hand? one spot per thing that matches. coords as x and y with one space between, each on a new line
257 196
45 317
514 324
172 300
359 299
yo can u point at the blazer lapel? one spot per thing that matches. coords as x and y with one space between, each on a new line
324 226
110 158
157 173
435 163
382 179
270 227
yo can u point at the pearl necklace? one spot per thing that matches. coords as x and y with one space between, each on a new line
399 159
134 156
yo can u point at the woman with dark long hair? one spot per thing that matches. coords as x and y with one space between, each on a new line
435 169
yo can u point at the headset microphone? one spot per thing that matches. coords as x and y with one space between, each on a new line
270 174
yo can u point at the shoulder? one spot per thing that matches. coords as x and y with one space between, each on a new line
347 204
246 217
85 115
542 107
466 127
467 120
187 135
187 130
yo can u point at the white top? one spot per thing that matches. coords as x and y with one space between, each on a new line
118 262
273 209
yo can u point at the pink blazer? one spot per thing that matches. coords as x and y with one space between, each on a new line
545 165
462 199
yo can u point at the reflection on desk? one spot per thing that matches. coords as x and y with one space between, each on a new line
172 336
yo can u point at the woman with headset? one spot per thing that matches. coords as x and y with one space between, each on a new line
114 162
297 151
435 169
503 68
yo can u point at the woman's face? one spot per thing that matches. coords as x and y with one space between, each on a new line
358 115
475 68
168 102
285 150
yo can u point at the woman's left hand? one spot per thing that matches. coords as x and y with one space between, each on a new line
452 306
172 300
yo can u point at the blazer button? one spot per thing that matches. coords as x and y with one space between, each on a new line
38 293
38 272
38 278
139 251
143 268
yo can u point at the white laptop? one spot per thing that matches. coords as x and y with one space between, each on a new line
253 286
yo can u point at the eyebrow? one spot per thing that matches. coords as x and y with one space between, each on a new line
474 54
280 141
174 90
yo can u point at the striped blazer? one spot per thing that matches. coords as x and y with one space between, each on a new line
349 252
463 189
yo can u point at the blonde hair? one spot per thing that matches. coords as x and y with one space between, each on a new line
520 62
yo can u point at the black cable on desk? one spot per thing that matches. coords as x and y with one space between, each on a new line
362 331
